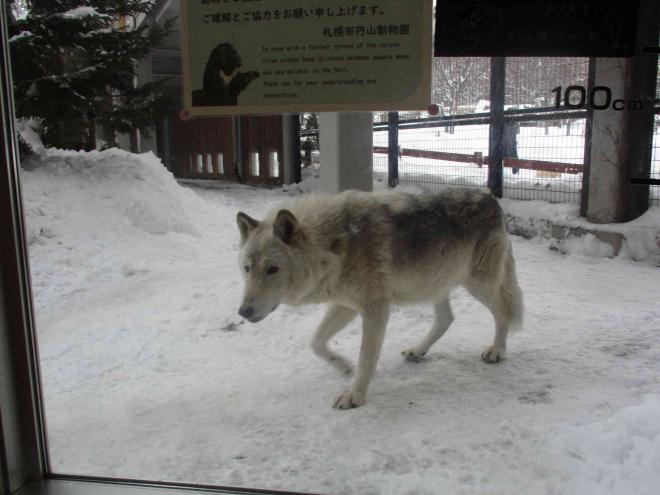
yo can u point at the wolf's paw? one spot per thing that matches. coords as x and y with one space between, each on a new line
349 400
492 354
413 354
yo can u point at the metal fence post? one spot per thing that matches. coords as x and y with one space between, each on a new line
393 149
588 134
496 131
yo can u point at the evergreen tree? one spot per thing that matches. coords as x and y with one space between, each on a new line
74 64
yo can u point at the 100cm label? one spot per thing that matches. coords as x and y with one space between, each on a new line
600 98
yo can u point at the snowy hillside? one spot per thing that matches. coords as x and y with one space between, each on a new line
148 371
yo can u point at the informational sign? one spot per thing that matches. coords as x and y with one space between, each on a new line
561 28
278 56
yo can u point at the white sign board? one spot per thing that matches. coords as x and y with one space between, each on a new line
278 56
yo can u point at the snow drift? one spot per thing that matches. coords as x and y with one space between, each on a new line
123 186
620 454
104 214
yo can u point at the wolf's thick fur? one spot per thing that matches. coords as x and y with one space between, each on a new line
361 252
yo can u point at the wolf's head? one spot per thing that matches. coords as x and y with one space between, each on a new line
265 260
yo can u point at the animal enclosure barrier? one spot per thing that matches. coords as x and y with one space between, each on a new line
545 164
542 146
544 149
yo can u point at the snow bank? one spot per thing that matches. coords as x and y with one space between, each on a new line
585 245
618 455
641 237
554 212
95 217
113 186
311 183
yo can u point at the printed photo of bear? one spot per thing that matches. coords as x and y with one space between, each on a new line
222 80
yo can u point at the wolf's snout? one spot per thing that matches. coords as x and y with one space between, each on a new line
246 311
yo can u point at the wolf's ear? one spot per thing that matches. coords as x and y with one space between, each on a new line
286 226
246 224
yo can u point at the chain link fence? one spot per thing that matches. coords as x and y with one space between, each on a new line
654 193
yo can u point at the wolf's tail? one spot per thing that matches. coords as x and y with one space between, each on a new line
510 293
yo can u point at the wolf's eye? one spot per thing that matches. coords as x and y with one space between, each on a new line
247 269
272 269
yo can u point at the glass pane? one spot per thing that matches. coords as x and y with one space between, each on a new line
163 358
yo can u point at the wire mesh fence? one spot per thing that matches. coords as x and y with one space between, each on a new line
543 157
654 192
553 148
547 162
437 154
543 145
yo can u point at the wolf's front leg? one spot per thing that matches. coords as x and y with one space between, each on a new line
374 321
335 319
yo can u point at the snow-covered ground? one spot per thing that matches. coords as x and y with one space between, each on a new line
148 371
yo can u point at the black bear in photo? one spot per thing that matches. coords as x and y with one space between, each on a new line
222 80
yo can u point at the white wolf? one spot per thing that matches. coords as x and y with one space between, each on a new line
361 252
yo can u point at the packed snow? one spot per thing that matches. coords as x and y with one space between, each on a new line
148 371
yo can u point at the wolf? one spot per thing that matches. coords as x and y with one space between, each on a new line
361 252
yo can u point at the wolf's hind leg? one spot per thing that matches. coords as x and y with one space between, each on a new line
335 319
443 318
489 297
504 300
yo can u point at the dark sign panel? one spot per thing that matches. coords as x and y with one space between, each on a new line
577 28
